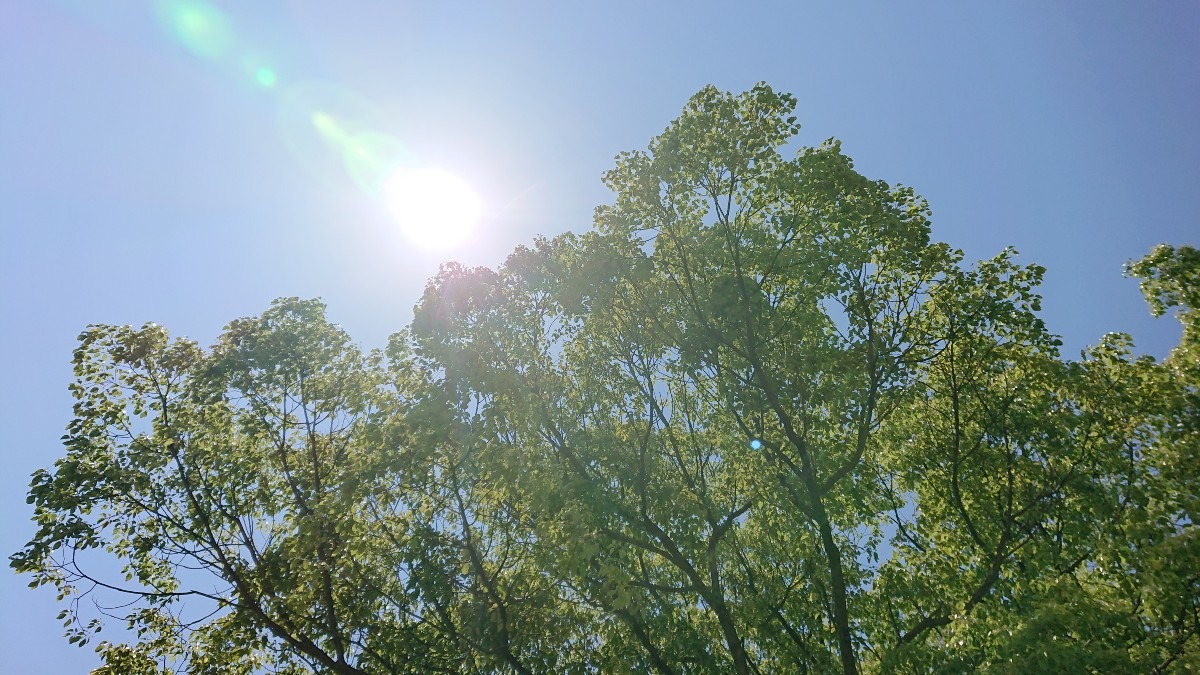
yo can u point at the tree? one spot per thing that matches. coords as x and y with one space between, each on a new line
266 510
228 483
757 420
768 423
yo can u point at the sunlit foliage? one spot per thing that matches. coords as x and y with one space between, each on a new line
757 420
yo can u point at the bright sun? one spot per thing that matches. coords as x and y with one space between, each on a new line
435 209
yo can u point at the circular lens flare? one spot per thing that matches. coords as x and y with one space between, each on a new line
202 28
266 77
435 209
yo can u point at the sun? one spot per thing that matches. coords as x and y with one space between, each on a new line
436 210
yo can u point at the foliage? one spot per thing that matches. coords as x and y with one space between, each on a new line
755 421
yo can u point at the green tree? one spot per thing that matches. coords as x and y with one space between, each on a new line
258 497
757 420
767 423
227 483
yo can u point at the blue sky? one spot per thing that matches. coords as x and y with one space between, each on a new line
141 180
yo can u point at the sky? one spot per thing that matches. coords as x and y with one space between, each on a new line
184 161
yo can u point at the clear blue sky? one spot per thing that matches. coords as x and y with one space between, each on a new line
146 177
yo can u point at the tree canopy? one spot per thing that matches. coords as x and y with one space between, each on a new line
756 420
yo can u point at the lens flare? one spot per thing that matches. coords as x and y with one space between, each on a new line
368 156
435 209
265 77
200 27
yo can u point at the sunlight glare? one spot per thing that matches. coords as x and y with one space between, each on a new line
435 209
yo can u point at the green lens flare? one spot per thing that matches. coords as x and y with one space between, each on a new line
369 156
200 27
258 68
328 127
266 77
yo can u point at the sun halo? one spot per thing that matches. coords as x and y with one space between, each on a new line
435 209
